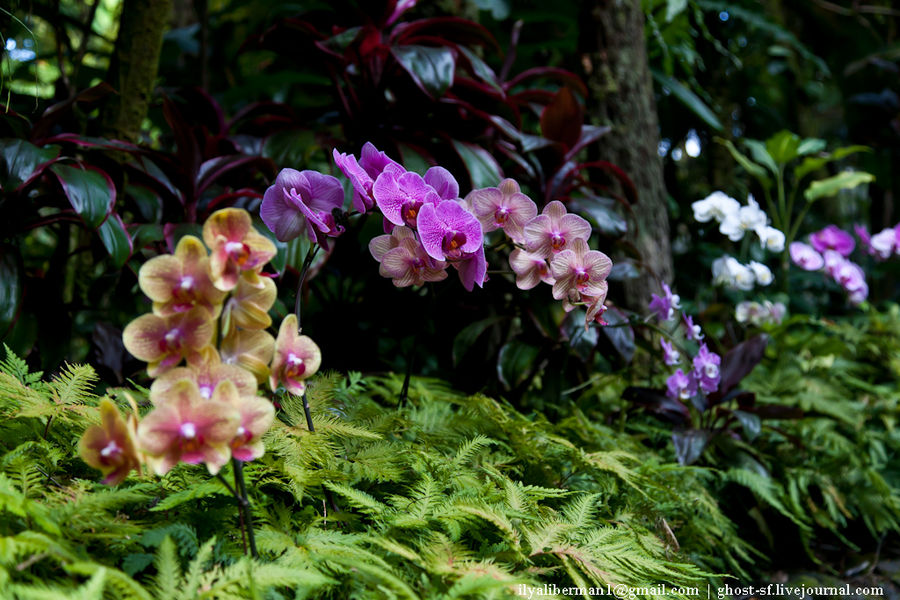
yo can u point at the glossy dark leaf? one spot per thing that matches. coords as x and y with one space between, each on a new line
603 213
619 332
562 119
589 135
737 364
750 423
689 445
431 68
50 117
10 288
22 161
116 239
90 191
691 100
482 167
583 340
481 69
567 78
337 44
656 402
623 269
466 338
515 363
456 30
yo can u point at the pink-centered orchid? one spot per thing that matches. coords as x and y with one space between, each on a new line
235 247
186 427
109 446
400 195
178 282
301 201
207 376
472 269
256 417
406 262
580 269
832 238
530 269
805 257
448 231
554 230
162 342
296 359
503 207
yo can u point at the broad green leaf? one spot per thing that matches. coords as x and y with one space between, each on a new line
844 180
116 239
90 191
466 338
783 147
810 146
19 161
674 8
761 155
431 68
689 99
515 362
10 288
483 169
748 165
814 163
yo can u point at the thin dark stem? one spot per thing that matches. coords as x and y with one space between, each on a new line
240 505
309 422
404 391
245 504
303 271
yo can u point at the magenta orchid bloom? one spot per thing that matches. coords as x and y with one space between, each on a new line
504 206
189 428
178 282
581 270
554 230
235 248
363 174
296 359
448 231
692 331
442 182
303 200
472 269
680 386
706 369
832 238
805 257
162 342
530 269
400 194
664 306
409 264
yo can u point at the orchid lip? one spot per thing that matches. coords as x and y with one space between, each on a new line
188 431
110 449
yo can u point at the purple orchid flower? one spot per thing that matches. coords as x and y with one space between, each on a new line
401 194
554 230
301 200
442 182
504 206
671 356
706 369
448 231
692 331
362 174
680 386
832 238
664 306
472 269
806 257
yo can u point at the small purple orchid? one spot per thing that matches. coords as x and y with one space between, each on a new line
301 200
680 386
554 230
408 264
530 269
664 306
362 174
832 238
448 231
503 207
400 195
692 331
706 369
580 270
671 356
805 257
472 269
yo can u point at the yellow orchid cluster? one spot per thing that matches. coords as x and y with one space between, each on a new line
210 313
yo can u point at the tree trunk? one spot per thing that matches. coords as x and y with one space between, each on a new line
618 76
133 68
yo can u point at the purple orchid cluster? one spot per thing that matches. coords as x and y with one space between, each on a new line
429 227
882 245
703 374
828 251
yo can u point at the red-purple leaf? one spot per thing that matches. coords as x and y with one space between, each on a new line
116 239
21 162
589 135
563 118
567 78
430 68
89 189
482 167
738 363
454 29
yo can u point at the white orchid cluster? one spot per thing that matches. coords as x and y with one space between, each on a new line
760 313
735 221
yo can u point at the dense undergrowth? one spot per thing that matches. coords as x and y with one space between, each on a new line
450 496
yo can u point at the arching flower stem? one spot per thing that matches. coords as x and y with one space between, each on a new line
404 391
244 504
298 302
